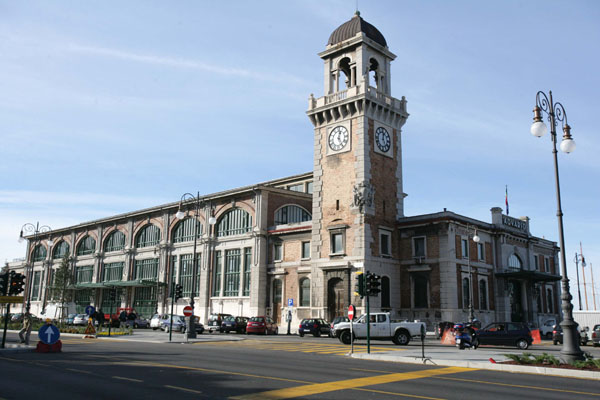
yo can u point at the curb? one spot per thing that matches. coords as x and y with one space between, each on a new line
16 348
566 373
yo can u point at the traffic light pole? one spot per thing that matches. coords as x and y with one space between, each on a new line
172 306
368 326
5 324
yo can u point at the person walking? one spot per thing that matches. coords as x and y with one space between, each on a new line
123 319
26 330
100 318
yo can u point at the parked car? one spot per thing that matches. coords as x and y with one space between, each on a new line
18 317
179 324
157 320
582 334
314 326
381 327
262 324
70 318
596 335
80 319
547 328
332 326
237 324
215 321
139 322
505 334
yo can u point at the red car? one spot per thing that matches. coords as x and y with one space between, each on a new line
263 325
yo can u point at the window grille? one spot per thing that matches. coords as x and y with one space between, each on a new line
115 242
186 274
466 292
184 231
218 272
83 298
232 272
35 294
144 302
514 262
291 214
304 292
86 246
61 249
84 274
146 269
113 272
247 270
234 222
149 236
419 247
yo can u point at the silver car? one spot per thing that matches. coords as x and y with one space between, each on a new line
80 319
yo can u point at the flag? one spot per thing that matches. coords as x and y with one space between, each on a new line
506 199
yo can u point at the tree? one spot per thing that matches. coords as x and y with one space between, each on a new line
61 285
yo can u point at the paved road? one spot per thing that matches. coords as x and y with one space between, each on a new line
259 367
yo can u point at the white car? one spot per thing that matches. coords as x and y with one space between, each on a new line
547 328
80 319
381 328
157 321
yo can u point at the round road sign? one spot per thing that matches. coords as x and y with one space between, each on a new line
187 311
351 312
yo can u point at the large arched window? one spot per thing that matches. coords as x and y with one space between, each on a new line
39 253
514 262
234 222
87 245
148 236
385 292
304 292
115 242
291 214
184 230
483 303
61 249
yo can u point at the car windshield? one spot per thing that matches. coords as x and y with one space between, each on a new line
231 319
257 319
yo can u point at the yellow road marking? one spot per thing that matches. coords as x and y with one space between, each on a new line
184 389
317 388
399 394
127 379
518 386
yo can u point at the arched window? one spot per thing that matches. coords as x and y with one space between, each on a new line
87 245
550 300
466 292
234 222
39 253
291 214
514 262
61 249
483 295
385 292
115 242
148 236
184 230
345 74
304 292
374 73
420 287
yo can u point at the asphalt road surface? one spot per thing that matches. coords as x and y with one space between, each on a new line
257 368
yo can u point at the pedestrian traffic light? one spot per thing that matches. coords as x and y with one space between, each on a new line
373 283
17 281
359 290
178 292
4 284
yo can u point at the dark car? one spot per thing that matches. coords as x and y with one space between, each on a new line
262 324
237 324
505 334
596 335
557 335
336 320
215 321
314 326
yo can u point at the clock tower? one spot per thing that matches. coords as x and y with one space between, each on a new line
357 189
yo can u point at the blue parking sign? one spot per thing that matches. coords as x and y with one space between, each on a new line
290 302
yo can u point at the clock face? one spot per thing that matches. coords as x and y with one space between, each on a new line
382 138
338 138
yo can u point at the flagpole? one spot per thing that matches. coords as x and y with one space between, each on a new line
506 198
593 287
583 273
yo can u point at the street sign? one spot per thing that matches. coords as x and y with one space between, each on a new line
187 311
89 310
11 299
49 334
351 312
290 302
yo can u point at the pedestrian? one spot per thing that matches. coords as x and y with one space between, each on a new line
131 319
26 328
122 319
100 318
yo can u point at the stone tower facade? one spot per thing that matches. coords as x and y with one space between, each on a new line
358 194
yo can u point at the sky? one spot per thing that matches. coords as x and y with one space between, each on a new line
108 107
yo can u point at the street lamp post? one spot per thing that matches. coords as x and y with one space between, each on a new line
36 230
570 350
476 240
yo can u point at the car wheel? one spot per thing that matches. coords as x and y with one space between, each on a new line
401 338
166 328
596 344
266 332
584 342
475 344
135 326
345 337
522 344
549 336
301 334
154 329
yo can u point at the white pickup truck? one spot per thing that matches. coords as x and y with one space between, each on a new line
382 328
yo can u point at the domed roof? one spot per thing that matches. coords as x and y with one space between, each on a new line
351 28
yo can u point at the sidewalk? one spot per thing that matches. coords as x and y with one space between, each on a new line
478 359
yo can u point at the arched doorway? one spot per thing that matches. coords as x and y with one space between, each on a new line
336 298
277 286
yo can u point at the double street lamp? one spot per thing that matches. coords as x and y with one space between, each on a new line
198 203
570 351
35 230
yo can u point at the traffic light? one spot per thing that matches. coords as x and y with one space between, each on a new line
4 284
373 283
178 292
17 281
359 290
